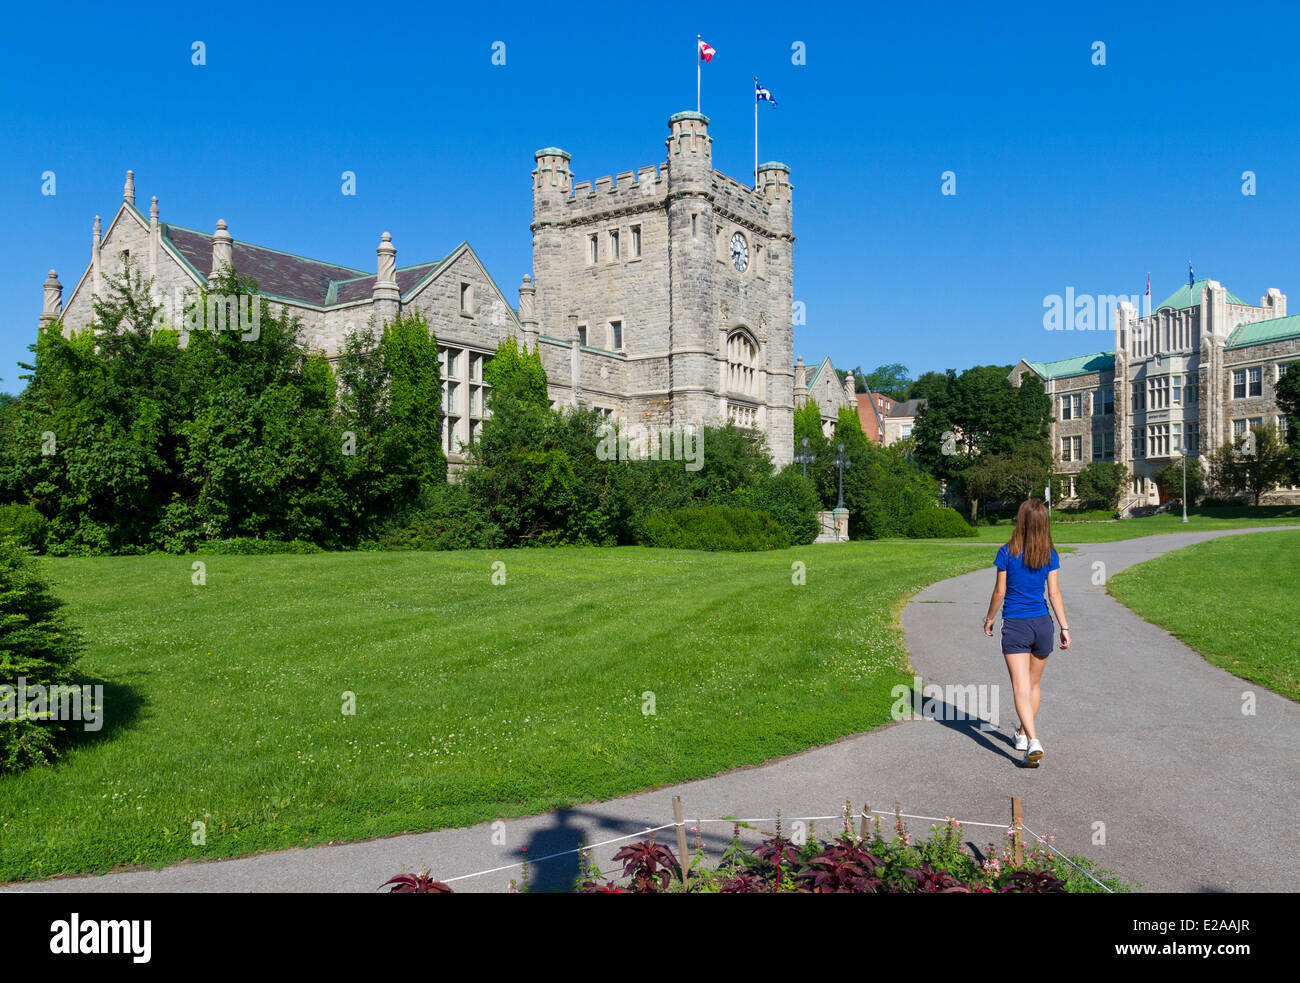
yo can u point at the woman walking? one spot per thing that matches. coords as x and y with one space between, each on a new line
1026 564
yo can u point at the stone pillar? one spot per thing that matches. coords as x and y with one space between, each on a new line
386 295
223 250
53 309
97 273
155 237
528 312
800 383
128 189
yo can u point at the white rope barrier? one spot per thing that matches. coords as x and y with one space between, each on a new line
772 819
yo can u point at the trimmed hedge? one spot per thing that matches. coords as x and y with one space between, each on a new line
715 527
939 524
242 546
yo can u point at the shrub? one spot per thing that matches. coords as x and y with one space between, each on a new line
37 645
447 519
715 527
938 524
790 499
24 524
243 546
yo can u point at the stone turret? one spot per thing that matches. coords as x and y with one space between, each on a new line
128 189
690 151
53 309
1274 302
223 250
775 187
386 295
800 383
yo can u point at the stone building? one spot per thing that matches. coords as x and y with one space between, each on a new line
1192 375
823 386
662 298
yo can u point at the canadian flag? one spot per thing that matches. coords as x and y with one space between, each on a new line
706 52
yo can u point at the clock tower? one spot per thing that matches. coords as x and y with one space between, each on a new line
666 297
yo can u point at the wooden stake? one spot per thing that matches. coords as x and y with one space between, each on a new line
682 854
1015 824
865 824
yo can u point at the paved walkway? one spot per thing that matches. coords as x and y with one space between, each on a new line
1142 735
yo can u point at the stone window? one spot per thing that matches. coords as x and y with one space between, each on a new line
742 364
694 216
1238 429
1072 406
1103 403
1138 399
582 334
466 298
614 254
593 249
616 336
1239 384
1255 381
1176 438
1103 446
1139 441
1193 439
636 242
1281 369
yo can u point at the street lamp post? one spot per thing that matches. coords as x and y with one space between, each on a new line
805 458
841 462
1184 482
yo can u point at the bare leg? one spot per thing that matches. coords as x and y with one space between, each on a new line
1036 666
1018 666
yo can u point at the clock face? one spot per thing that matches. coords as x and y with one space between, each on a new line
739 252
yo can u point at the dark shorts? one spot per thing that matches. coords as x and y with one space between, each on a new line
1028 635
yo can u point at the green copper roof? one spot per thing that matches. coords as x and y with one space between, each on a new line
1079 365
1185 297
1274 329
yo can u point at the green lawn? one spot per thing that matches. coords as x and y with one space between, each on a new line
1199 520
1234 600
473 701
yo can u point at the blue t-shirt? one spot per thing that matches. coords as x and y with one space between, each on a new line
1025 585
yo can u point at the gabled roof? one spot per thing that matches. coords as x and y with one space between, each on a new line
278 274
1261 332
909 407
1079 365
1190 296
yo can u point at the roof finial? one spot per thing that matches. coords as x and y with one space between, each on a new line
128 190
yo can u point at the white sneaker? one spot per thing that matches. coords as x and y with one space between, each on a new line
1022 742
1035 753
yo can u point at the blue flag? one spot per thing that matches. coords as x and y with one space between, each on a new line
761 94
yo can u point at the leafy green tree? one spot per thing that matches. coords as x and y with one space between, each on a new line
1288 399
1253 463
515 375
979 413
1169 480
891 380
1011 477
38 645
1103 482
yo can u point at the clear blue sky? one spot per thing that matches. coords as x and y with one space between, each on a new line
1068 175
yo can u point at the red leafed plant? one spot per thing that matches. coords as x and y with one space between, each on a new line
650 866
744 884
421 883
844 868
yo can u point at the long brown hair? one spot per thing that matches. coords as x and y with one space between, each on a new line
1032 536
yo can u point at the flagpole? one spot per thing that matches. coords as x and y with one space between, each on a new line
755 132
698 39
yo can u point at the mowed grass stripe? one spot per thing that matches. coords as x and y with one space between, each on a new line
474 701
1232 599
